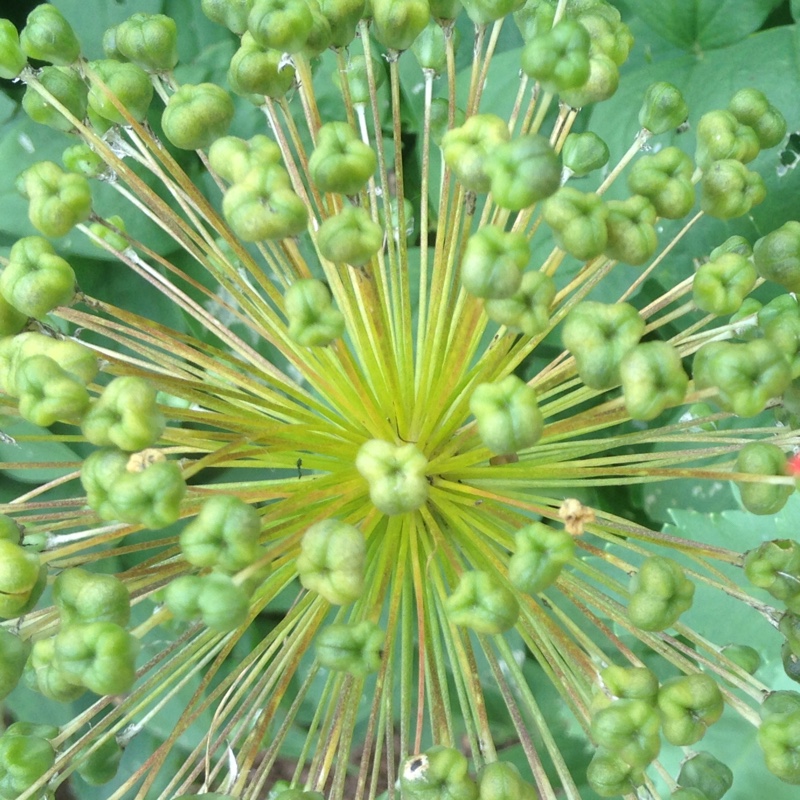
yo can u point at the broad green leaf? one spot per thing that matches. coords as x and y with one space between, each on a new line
26 443
7 108
795 7
700 25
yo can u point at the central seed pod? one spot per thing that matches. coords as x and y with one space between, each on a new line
395 474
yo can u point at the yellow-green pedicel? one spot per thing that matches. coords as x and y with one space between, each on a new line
399 400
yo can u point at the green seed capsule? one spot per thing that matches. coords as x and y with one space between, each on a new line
528 310
10 529
493 262
264 206
630 683
689 704
130 85
48 393
125 416
663 108
467 148
11 319
599 336
222 604
98 655
777 256
42 674
230 13
630 730
58 200
747 376
609 775
99 474
224 535
728 189
578 221
779 739
583 153
720 136
72 357
395 475
47 36
13 657
523 171
67 87
320 36
350 237
82 159
36 280
343 17
706 773
397 23
665 179
331 561
482 602
558 59
762 458
23 760
775 566
507 415
341 162
660 593
653 379
256 72
182 597
482 12
540 555
744 656
500 780
440 773
148 492
12 58
355 647
232 158
721 285
83 596
751 108
430 47
630 226
148 40
313 319
532 18
100 765
282 25
196 115
778 703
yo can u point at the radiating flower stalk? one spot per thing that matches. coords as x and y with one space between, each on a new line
386 445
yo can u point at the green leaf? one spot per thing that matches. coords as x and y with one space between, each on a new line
795 8
14 449
699 25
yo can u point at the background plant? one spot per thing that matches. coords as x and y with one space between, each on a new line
717 50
